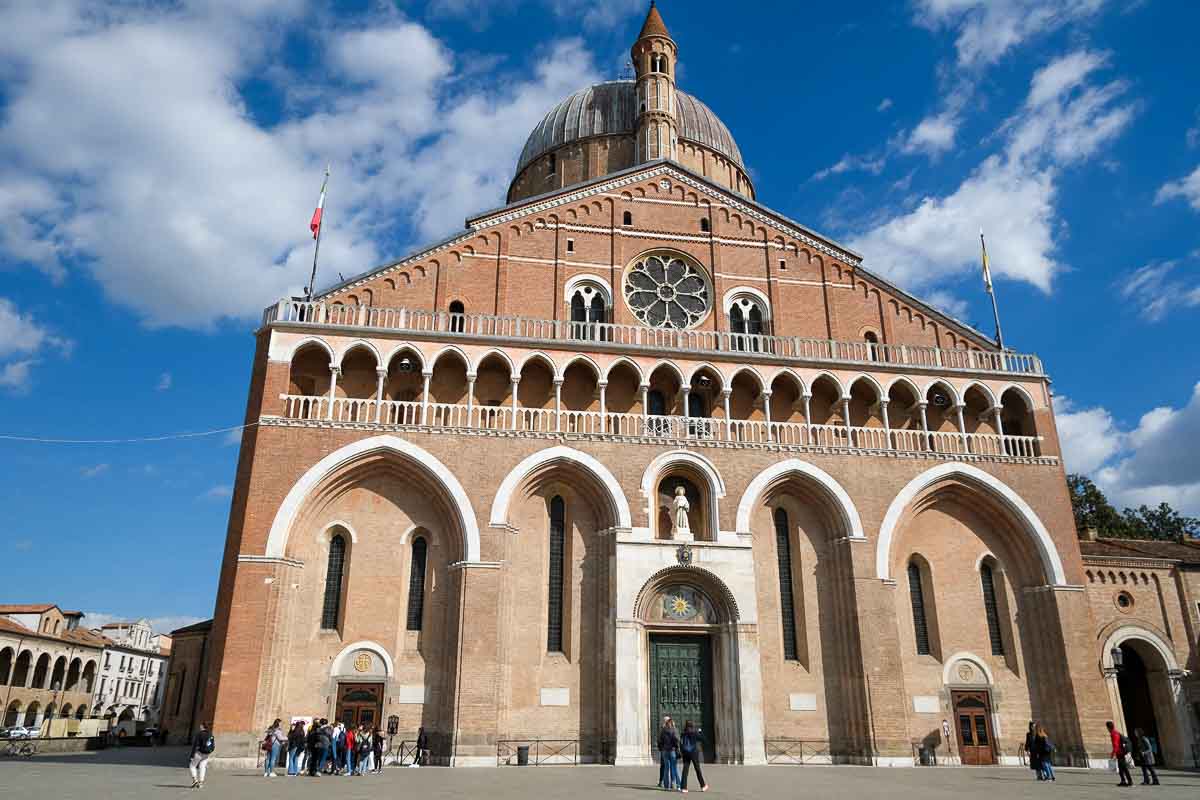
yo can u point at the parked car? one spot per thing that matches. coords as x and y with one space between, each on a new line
19 732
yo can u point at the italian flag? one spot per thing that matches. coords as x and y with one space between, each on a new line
315 225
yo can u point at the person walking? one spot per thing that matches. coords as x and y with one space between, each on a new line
1120 751
377 748
664 740
1045 752
295 746
692 750
203 745
1034 764
673 754
1145 751
422 755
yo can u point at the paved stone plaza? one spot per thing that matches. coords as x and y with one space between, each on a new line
158 773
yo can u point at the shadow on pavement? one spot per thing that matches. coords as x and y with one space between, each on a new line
172 757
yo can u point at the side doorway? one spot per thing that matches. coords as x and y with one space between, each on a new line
973 721
359 704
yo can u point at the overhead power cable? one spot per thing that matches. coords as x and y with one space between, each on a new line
12 437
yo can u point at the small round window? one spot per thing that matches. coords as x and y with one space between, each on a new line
666 291
1124 601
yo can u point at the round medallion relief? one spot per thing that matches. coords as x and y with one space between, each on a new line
966 673
362 662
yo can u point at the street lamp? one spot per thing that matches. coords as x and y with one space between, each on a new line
1118 658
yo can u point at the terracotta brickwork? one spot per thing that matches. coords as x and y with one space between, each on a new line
449 398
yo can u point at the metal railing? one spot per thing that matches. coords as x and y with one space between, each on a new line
412 413
798 751
640 337
541 751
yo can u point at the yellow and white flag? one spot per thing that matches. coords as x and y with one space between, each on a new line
987 270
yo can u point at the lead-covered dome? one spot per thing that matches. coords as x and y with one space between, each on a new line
610 109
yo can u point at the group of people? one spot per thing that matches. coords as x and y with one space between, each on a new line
1140 750
1040 750
323 748
673 747
1125 753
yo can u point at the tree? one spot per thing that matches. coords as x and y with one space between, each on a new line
1092 510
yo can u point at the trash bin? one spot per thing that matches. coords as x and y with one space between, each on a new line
523 755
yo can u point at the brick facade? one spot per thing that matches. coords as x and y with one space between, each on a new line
888 433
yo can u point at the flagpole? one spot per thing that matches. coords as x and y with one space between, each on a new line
312 281
987 278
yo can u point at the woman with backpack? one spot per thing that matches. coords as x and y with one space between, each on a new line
1120 752
1045 751
377 748
362 740
273 742
1145 751
691 748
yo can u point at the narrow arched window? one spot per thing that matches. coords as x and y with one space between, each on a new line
554 626
627 218
416 584
705 225
331 609
457 310
552 163
917 595
578 308
787 603
991 610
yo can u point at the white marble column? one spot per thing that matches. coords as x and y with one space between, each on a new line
558 382
427 376
603 406
516 383
725 393
887 423
334 372
471 376
925 427
750 695
632 695
766 401
380 378
962 426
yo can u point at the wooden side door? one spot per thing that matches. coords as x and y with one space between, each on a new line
359 704
973 722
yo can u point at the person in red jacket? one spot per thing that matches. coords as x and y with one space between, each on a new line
350 752
1120 749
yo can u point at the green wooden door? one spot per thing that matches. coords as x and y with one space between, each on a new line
681 686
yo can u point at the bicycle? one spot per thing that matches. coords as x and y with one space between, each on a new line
19 749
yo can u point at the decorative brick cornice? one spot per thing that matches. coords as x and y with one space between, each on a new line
1122 561
245 558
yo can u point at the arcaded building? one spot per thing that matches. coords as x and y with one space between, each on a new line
635 444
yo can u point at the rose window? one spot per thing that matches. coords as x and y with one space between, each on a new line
664 291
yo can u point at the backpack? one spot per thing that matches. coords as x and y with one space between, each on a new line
1124 745
267 741
208 745
364 744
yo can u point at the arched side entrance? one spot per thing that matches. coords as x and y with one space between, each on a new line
1146 692
685 649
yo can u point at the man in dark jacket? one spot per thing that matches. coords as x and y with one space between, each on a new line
203 745
421 759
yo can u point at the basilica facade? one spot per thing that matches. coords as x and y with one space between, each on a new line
634 444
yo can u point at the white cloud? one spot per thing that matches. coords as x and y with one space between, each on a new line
987 29
884 104
218 492
1155 462
148 169
948 303
94 471
1012 193
588 14
164 382
849 162
232 438
21 334
15 375
933 135
1155 292
1187 188
1088 436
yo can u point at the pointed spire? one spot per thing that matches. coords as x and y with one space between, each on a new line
654 25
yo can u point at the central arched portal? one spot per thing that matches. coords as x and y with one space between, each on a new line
685 652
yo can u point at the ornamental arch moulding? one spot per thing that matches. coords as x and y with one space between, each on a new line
344 664
694 465
435 470
1024 516
793 467
619 506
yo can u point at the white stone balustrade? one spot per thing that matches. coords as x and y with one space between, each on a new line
445 416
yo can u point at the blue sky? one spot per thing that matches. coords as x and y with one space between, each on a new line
158 167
